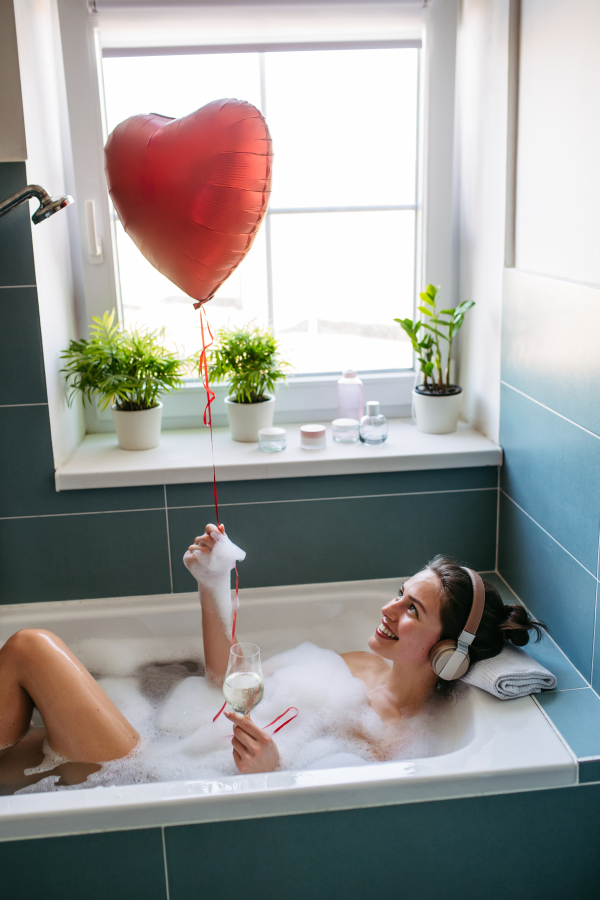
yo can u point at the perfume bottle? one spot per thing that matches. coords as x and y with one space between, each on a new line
373 428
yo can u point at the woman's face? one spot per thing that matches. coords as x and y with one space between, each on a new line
411 623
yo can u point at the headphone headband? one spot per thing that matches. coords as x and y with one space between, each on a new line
472 623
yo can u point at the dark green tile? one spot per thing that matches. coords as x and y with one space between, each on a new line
541 449
117 865
576 714
16 250
530 846
22 376
553 586
75 557
26 453
589 770
545 652
343 540
333 486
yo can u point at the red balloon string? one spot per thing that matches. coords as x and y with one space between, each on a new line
207 418
210 396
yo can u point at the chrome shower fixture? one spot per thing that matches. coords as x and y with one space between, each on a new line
47 206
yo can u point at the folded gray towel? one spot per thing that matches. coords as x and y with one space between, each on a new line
513 673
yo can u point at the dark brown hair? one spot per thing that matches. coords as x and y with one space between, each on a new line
500 622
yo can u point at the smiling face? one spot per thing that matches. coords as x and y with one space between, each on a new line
411 623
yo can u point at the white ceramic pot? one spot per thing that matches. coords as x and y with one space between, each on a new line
246 418
437 414
139 429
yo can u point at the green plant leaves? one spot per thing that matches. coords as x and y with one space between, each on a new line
249 358
428 349
130 369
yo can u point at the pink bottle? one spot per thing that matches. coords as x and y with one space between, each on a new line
350 396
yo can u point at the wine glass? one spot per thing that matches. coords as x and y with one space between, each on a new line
244 686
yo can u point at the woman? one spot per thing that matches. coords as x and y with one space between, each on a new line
81 724
431 606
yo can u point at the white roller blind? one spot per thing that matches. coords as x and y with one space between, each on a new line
127 26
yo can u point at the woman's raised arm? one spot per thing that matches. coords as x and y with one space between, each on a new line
210 560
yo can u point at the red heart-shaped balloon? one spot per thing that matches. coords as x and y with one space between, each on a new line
191 193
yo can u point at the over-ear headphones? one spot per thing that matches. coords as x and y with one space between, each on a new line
450 659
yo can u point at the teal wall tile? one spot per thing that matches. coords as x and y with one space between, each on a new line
589 770
27 466
16 250
554 586
118 865
543 450
545 651
343 540
333 486
550 351
576 715
525 846
22 376
79 556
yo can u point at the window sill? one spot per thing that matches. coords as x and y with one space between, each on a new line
185 456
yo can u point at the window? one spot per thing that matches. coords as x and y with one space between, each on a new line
335 260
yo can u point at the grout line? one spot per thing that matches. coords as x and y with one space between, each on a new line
508 497
324 499
162 829
6 287
498 521
567 690
104 512
548 635
549 409
589 759
95 512
595 610
17 405
168 539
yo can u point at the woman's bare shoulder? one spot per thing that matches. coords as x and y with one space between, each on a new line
365 665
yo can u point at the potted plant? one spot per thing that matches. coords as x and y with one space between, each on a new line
436 402
248 357
127 370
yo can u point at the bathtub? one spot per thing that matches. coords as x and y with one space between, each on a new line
499 746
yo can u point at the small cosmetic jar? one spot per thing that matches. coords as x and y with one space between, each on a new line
345 431
271 440
312 437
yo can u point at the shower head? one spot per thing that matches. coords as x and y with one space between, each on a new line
47 206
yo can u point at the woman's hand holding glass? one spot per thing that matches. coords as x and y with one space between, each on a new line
254 750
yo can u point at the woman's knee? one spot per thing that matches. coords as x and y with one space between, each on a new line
28 642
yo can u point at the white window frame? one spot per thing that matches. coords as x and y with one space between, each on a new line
97 289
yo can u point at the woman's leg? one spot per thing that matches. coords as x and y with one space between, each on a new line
81 723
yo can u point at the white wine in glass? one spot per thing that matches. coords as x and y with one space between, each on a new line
244 687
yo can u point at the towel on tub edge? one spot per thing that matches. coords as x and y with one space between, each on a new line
513 673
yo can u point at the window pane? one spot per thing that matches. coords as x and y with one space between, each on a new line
340 280
176 85
344 127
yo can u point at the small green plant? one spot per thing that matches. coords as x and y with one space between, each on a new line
435 327
129 369
249 358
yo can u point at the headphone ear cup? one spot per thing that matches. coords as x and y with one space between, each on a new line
441 653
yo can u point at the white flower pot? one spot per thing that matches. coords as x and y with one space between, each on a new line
246 418
437 414
139 429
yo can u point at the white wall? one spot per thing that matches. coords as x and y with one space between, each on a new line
13 146
558 183
481 137
40 65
